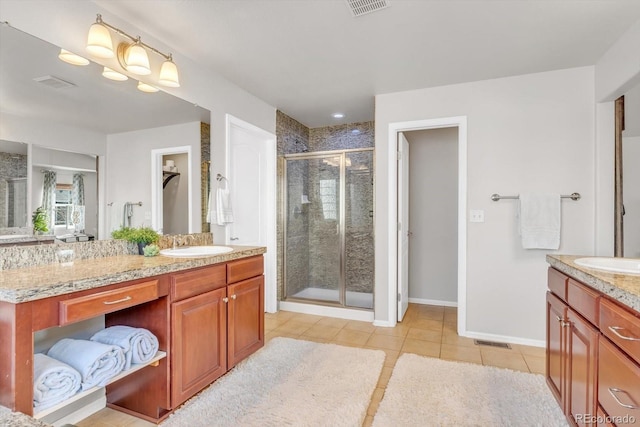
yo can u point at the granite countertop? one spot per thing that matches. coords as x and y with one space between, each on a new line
33 283
624 288
9 418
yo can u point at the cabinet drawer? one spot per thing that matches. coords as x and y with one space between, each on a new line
621 327
76 309
196 282
584 300
244 269
618 383
557 283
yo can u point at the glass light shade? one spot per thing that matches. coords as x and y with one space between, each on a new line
147 88
72 58
99 41
169 74
113 75
137 60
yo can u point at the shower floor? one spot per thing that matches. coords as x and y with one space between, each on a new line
354 299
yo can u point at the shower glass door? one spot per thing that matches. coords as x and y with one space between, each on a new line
313 228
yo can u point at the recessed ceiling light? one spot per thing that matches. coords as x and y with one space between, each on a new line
338 115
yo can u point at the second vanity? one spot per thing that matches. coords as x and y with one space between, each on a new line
593 343
207 313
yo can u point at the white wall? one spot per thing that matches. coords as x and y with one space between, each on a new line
531 133
129 169
631 197
433 222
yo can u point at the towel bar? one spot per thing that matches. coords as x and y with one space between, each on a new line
573 196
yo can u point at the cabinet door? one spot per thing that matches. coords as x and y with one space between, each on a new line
246 319
198 348
582 348
556 352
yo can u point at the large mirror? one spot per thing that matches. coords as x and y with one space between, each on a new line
82 126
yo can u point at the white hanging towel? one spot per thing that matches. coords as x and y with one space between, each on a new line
224 213
210 208
540 221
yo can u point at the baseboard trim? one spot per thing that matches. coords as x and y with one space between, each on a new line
433 302
322 310
505 339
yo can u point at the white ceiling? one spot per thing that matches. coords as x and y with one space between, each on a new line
310 58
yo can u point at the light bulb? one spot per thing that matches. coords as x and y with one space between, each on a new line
136 60
169 74
99 41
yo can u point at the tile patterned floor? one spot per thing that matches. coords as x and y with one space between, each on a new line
426 330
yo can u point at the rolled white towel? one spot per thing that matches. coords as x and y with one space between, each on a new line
139 345
53 381
96 362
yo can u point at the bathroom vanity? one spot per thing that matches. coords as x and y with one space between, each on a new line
207 314
593 343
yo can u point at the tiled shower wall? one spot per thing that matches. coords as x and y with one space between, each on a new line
11 166
315 258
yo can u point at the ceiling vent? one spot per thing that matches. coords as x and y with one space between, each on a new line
362 7
54 82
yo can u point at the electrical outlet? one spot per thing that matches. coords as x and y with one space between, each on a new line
477 215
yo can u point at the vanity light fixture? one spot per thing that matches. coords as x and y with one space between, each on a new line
338 115
147 88
113 75
132 56
72 58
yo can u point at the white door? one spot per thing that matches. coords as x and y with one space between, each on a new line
251 178
403 225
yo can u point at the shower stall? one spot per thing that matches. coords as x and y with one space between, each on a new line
328 228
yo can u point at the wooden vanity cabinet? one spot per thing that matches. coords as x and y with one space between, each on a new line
215 322
591 375
198 330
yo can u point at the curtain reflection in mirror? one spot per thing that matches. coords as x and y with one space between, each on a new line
49 196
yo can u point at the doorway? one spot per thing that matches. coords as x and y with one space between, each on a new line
171 165
397 292
432 223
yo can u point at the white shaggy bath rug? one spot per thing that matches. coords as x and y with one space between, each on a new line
289 383
424 391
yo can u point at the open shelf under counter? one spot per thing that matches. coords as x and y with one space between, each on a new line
134 368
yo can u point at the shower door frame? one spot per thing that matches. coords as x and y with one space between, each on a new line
342 284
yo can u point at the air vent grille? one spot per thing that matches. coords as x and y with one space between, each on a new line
362 7
492 344
54 82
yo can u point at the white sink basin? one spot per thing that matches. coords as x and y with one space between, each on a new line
195 251
617 265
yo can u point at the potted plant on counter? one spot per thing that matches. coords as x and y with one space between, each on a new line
39 220
142 236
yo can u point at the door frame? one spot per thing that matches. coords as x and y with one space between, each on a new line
156 184
269 221
392 226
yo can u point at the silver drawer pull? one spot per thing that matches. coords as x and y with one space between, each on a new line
615 330
613 392
127 298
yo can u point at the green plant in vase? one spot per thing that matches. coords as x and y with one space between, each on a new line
39 220
142 236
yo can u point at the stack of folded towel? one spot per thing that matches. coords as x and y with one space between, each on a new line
71 364
139 345
53 381
96 362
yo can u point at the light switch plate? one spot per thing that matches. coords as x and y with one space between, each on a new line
477 215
